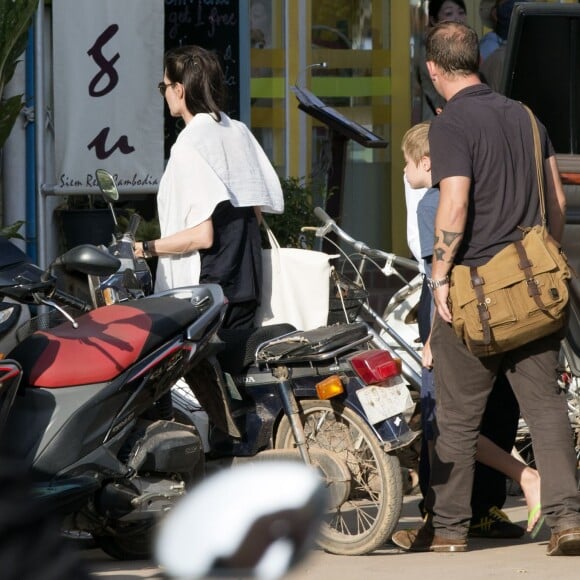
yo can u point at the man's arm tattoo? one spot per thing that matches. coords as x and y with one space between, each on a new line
450 237
443 249
439 254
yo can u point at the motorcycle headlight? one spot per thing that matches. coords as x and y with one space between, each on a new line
9 314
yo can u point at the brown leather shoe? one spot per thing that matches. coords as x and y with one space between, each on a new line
565 543
425 540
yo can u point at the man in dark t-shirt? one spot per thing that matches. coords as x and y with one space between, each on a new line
482 158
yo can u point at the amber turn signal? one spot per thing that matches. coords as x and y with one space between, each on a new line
329 387
109 296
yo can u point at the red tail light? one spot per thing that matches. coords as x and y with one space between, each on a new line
375 366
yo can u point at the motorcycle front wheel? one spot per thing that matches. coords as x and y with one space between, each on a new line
128 542
369 515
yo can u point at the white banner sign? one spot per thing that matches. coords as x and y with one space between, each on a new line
108 113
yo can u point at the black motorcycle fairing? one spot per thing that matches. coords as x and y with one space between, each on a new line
10 315
63 495
167 447
20 281
10 376
50 429
10 254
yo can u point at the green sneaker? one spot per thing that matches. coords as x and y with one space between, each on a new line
494 524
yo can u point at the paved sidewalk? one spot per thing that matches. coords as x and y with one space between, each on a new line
523 559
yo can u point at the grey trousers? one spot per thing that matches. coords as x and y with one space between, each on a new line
463 383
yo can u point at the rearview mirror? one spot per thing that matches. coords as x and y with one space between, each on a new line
108 189
107 185
88 259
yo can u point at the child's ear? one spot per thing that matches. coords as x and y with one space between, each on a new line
426 163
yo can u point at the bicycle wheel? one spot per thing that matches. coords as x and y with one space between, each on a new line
369 515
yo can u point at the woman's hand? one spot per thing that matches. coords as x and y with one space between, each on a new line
138 249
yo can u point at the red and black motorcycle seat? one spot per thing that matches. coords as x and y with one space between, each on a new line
108 340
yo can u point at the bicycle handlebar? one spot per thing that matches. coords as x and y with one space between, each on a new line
361 247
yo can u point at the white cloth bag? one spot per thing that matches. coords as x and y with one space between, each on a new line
295 286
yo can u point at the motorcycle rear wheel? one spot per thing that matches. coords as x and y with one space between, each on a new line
367 518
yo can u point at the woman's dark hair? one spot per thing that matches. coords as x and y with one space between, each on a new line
435 6
453 47
200 72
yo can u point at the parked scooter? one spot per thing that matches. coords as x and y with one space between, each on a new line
89 420
325 397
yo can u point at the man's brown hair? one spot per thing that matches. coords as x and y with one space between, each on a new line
454 48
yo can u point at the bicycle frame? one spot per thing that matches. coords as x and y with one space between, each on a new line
387 337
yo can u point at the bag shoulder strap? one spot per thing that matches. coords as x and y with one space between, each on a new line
539 164
271 237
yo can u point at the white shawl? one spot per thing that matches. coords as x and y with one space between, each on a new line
210 162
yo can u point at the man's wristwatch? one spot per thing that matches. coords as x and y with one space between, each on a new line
437 283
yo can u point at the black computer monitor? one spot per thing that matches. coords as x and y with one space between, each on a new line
542 68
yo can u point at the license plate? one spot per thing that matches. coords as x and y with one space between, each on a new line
380 403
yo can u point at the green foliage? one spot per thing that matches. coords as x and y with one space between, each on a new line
9 111
147 230
15 19
11 231
300 199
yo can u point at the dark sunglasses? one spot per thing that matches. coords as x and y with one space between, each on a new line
163 87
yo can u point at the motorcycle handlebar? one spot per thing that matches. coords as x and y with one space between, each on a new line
69 300
134 222
361 247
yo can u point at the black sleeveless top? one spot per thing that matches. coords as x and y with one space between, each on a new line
235 259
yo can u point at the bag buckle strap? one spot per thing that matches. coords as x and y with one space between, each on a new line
477 283
532 284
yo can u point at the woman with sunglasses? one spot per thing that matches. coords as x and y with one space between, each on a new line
216 182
